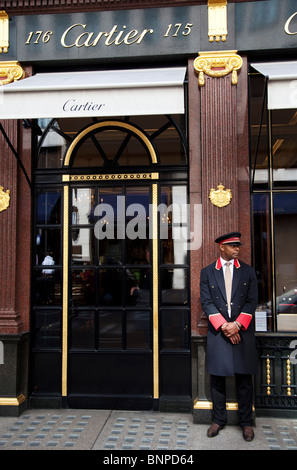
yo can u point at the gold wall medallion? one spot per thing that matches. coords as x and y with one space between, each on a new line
217 20
4 199
220 197
217 64
10 71
4 32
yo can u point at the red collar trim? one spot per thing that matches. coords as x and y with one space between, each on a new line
218 264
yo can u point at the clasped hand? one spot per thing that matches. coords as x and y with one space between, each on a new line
230 330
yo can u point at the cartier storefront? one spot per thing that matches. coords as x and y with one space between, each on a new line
131 137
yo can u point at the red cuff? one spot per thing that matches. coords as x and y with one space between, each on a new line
244 319
217 320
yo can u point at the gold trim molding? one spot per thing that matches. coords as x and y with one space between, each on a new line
10 71
4 32
4 199
217 64
5 401
217 20
220 197
67 178
110 177
207 405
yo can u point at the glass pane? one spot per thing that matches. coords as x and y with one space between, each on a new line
262 260
258 127
83 248
175 329
111 148
173 224
47 329
285 226
174 286
83 287
138 329
137 213
47 286
284 147
167 140
82 329
137 252
110 329
138 281
109 225
83 206
48 247
53 145
48 210
110 286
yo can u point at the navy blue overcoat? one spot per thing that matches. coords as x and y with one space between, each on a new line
224 358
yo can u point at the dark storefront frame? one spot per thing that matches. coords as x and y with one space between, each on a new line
169 357
273 215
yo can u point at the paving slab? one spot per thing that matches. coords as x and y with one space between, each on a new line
109 431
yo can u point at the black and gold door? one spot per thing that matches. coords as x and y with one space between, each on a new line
110 302
111 310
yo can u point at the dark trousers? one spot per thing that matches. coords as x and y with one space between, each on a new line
245 396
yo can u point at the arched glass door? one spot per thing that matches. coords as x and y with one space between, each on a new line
111 315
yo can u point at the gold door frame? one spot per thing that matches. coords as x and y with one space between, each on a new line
70 178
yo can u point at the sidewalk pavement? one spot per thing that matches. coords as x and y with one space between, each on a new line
111 431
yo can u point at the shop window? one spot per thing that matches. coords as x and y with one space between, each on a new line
274 202
285 230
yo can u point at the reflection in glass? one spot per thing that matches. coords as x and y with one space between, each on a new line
47 333
259 134
82 243
82 323
175 334
173 224
138 329
174 286
52 144
284 147
48 246
83 286
262 257
83 203
110 329
108 225
285 224
47 286
110 286
48 210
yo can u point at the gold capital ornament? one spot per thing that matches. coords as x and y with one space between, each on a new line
217 64
4 199
220 197
10 71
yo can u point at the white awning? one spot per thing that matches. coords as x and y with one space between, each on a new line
100 93
282 83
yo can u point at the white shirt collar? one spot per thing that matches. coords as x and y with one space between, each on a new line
223 261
